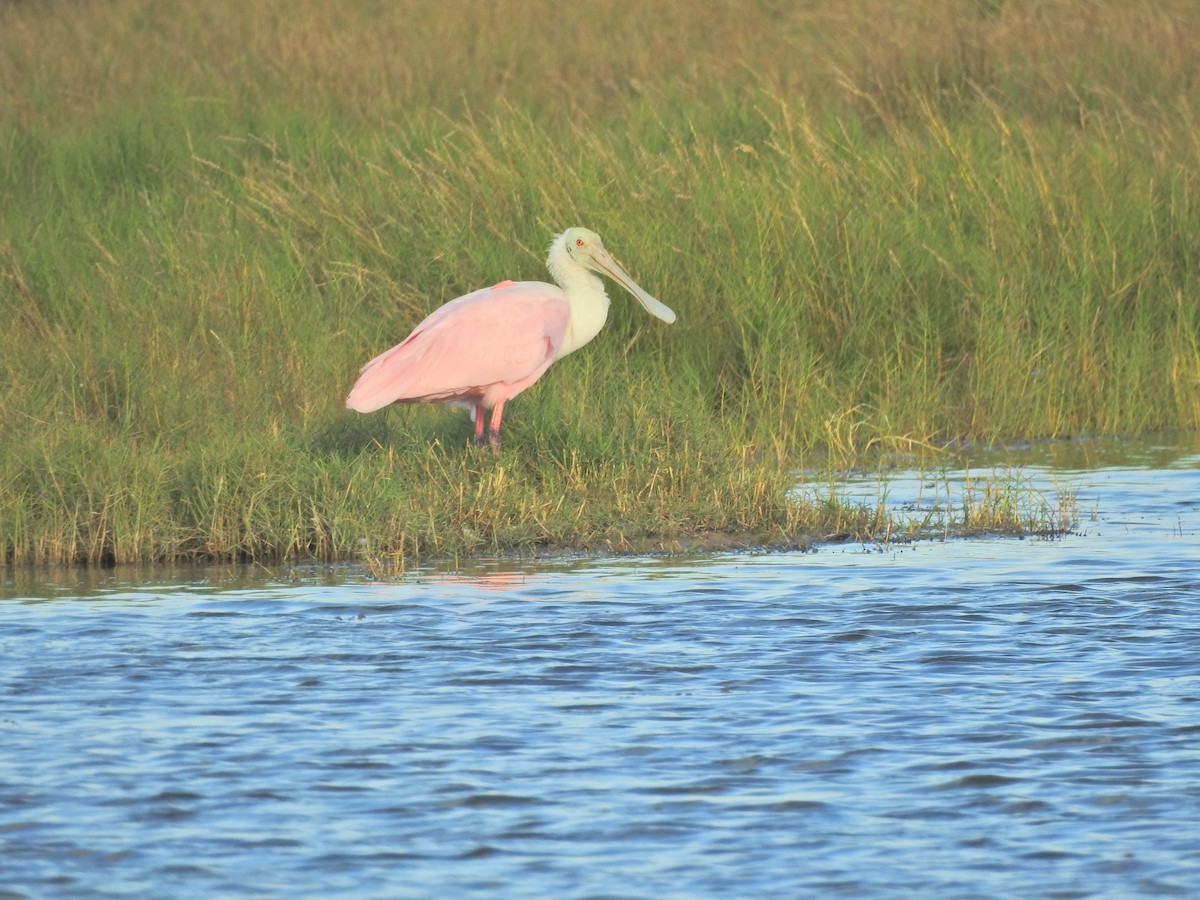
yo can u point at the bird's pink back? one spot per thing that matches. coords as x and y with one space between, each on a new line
489 344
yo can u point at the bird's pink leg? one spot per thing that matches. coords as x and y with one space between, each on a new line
479 424
494 429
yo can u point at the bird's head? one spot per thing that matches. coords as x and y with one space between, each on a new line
584 248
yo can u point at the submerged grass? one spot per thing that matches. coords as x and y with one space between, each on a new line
882 227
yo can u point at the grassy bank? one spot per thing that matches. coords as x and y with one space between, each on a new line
879 228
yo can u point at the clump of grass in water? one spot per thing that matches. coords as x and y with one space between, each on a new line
978 229
1012 505
1003 503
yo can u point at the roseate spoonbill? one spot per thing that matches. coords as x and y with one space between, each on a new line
481 350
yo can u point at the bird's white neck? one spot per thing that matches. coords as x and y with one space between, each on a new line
585 297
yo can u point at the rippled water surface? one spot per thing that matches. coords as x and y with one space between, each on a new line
972 717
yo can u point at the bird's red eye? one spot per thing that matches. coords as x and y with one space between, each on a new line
578 242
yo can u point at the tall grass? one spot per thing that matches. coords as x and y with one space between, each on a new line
882 225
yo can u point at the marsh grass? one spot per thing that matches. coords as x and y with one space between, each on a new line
884 227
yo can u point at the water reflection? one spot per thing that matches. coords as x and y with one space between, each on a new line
985 716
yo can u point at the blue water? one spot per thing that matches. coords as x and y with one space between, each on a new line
980 717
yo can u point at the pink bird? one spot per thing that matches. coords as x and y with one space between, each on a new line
481 350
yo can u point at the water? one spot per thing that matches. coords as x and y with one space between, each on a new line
982 717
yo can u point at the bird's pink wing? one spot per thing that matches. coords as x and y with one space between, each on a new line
499 335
